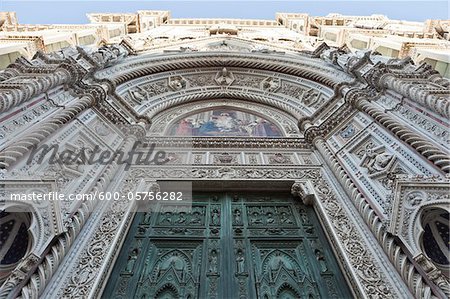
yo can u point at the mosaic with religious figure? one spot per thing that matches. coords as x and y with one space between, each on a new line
225 122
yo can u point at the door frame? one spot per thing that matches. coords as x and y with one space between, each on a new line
362 260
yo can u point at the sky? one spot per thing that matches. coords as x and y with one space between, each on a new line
74 12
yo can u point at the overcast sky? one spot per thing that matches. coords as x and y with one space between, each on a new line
45 12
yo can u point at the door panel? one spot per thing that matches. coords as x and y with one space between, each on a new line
243 245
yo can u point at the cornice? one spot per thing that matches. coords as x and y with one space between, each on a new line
229 142
339 116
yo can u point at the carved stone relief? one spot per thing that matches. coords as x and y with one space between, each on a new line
271 84
377 161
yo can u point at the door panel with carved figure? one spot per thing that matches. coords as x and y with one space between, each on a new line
228 245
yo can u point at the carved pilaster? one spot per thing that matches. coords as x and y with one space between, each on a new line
413 84
52 260
358 98
15 93
18 149
419 286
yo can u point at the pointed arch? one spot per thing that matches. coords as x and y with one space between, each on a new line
167 291
287 291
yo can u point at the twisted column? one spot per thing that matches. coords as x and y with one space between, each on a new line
428 150
11 154
34 285
417 284
415 92
14 94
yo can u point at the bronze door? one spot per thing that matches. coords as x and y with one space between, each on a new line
229 245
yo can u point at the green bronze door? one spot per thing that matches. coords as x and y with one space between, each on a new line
243 245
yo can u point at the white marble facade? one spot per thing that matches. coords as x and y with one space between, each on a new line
361 137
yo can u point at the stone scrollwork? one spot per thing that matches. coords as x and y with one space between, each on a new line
279 158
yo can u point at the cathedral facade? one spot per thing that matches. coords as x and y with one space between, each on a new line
315 153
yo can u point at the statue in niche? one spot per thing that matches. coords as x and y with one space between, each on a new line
213 261
146 219
378 161
237 216
131 260
277 262
215 217
175 262
321 259
304 216
240 262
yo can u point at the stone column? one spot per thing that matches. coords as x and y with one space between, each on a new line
425 148
419 286
17 150
13 94
411 90
34 284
